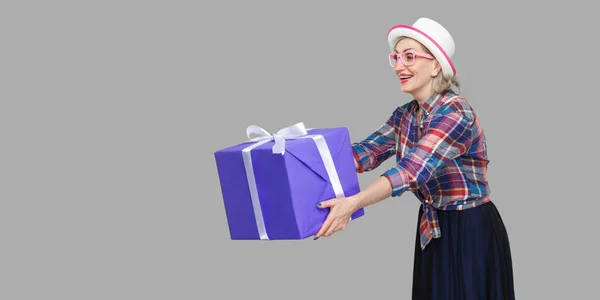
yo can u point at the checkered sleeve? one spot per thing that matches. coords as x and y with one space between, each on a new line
448 136
377 147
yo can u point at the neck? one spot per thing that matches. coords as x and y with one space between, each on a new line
423 95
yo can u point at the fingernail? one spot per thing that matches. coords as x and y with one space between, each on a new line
316 238
319 204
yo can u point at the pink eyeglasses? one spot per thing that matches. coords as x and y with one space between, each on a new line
407 57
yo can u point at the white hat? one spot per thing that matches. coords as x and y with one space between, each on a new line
433 36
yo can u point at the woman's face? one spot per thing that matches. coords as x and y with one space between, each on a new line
416 72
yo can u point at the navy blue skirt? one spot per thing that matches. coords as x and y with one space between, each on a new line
470 261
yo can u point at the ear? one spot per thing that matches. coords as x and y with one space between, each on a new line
436 69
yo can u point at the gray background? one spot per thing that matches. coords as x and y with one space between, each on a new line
111 113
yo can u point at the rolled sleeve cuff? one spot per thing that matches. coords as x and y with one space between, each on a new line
357 159
398 180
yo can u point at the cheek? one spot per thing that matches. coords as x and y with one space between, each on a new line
422 72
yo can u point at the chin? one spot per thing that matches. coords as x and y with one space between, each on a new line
406 89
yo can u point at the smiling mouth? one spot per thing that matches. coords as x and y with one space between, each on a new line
405 78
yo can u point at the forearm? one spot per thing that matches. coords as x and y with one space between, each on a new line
377 147
377 191
368 156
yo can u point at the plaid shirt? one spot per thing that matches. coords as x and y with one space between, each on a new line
444 164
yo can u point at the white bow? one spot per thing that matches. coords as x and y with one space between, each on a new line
290 132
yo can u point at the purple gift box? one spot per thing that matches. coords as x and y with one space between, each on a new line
271 184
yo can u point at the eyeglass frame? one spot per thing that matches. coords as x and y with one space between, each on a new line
413 52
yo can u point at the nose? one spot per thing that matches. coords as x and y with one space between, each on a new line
399 67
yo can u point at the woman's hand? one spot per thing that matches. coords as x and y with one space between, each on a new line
341 209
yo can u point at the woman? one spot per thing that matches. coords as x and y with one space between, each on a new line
462 249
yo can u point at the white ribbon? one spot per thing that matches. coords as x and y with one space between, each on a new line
295 131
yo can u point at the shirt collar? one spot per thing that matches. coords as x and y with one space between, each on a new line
430 104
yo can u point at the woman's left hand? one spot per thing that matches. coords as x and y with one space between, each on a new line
340 211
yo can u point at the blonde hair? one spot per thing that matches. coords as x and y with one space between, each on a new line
441 84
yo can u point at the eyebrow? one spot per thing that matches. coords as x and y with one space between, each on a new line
404 50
